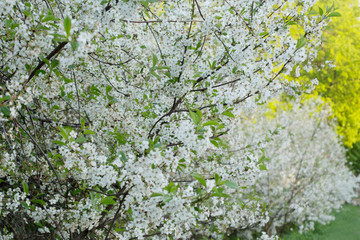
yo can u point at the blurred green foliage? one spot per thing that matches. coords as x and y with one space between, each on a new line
340 84
353 157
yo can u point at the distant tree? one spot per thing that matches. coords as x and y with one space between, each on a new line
307 177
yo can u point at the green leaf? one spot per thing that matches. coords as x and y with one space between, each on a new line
156 195
38 201
154 60
108 89
195 117
199 114
49 18
5 111
26 12
145 3
218 192
300 42
108 200
24 204
4 98
230 184
200 178
215 143
217 179
55 63
75 45
291 23
45 60
59 142
262 167
25 187
63 133
167 198
67 26
87 131
82 122
229 114
321 12
81 139
211 123
334 14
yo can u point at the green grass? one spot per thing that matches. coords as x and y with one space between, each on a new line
346 226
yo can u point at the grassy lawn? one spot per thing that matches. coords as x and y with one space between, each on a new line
346 226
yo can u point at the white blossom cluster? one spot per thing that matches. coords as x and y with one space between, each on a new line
307 177
113 113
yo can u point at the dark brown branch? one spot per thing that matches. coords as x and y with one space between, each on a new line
226 47
42 63
117 212
216 86
109 63
172 110
198 7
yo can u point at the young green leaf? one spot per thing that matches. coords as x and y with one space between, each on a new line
230 184
25 187
87 131
195 117
63 133
167 198
228 114
154 60
49 18
5 111
200 178
67 26
334 14
156 195
262 167
81 139
215 143
59 142
108 200
300 42
38 201
211 123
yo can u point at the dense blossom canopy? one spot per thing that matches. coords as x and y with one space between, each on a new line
113 113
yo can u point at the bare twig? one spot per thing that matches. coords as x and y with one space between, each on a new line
41 150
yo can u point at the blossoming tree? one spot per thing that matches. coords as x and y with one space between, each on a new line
307 177
113 113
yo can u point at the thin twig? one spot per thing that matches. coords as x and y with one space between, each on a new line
37 145
108 80
117 212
